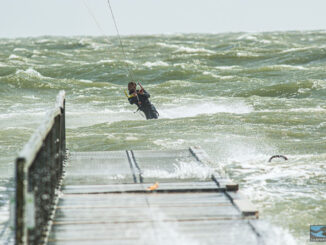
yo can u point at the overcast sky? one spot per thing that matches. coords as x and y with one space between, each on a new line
21 18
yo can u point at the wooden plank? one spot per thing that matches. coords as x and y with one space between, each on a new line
125 199
91 168
162 187
142 214
246 207
226 184
203 232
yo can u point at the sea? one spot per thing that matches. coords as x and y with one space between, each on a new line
242 97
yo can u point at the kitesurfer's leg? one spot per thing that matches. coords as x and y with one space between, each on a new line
147 114
154 112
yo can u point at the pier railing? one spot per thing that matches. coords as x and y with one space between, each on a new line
39 168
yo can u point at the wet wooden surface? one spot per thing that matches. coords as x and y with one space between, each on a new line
105 201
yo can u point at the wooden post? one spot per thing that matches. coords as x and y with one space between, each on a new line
21 230
38 172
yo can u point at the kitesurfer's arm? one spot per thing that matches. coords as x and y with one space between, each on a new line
133 100
144 93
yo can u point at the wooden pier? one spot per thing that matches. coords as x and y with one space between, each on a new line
105 200
105 197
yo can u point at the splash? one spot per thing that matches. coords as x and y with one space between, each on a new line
204 108
182 170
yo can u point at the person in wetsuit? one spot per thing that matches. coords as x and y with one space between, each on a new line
140 98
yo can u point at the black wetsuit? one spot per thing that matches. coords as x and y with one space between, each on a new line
146 106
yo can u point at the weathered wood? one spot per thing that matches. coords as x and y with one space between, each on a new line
188 232
38 173
98 168
162 187
247 208
95 208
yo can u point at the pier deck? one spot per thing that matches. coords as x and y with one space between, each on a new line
105 200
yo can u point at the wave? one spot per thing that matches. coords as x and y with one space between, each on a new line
185 49
204 108
30 72
231 67
20 50
105 61
182 170
218 76
13 56
156 63
291 89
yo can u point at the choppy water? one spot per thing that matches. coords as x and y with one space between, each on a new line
242 97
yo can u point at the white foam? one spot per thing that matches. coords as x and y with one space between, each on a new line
76 118
182 170
33 97
291 67
247 36
156 63
168 45
246 54
180 48
297 49
129 62
30 71
85 81
265 41
193 109
217 76
20 49
274 235
43 41
13 56
105 61
227 67
193 50
65 54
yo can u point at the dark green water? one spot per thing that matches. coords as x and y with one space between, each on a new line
242 97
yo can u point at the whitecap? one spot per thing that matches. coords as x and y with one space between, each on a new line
13 56
265 41
20 50
296 49
129 62
105 61
247 37
208 108
217 76
290 67
41 41
182 170
65 54
193 50
85 81
30 71
168 45
180 49
246 54
226 67
157 63
33 97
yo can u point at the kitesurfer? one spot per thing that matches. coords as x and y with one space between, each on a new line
140 98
